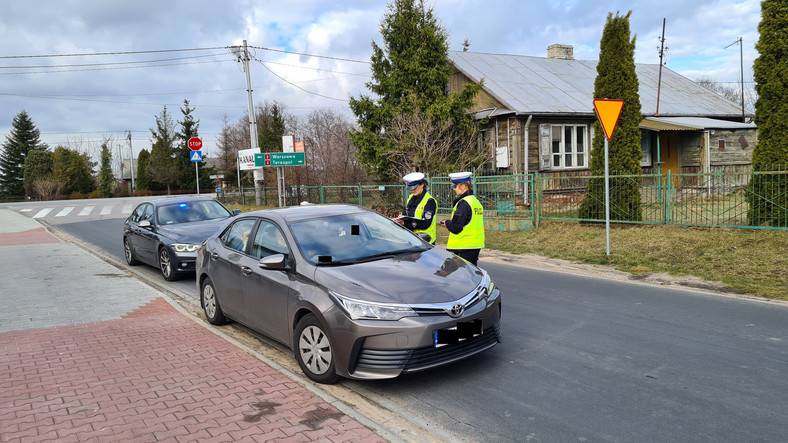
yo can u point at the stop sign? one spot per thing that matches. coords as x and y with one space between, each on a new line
195 144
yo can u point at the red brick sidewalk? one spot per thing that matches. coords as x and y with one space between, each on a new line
154 375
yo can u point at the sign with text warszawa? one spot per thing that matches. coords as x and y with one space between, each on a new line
269 159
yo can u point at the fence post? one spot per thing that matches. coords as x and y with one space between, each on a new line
536 200
668 198
360 200
322 195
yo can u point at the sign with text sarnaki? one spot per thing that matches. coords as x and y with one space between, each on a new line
246 159
269 159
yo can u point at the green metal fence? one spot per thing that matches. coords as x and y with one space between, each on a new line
701 199
519 202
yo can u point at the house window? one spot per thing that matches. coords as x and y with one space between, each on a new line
645 147
568 146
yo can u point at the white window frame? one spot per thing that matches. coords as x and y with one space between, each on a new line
560 157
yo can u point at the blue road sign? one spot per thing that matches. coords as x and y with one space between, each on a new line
196 156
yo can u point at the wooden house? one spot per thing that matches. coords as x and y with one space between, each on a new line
540 116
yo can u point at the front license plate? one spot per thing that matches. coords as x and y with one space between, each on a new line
460 332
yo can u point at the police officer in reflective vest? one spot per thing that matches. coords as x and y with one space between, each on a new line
419 213
466 227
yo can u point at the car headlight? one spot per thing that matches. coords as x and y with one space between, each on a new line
487 283
362 310
185 247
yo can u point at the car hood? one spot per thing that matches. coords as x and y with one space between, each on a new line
432 276
194 232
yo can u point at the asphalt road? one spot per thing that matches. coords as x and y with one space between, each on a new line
588 359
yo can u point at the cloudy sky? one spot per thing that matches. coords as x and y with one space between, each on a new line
308 54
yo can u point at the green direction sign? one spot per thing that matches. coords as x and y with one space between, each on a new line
279 159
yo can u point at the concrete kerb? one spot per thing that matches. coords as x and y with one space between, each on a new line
389 421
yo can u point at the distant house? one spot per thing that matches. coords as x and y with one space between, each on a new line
540 113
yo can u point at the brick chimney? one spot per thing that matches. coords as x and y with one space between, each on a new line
561 52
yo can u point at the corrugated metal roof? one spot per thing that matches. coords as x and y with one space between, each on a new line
690 123
539 85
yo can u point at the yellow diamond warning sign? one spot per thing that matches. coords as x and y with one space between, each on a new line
608 111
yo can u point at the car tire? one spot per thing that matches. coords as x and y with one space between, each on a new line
129 253
210 304
313 350
165 265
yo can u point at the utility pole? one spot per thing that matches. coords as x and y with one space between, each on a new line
661 53
133 185
242 53
741 62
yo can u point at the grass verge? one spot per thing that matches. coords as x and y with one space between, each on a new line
747 261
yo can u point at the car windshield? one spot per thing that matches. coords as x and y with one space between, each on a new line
191 211
353 238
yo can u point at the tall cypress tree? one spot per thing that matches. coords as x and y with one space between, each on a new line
24 137
106 177
616 79
409 74
768 191
143 178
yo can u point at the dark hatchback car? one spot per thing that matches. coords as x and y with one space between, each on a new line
166 232
351 292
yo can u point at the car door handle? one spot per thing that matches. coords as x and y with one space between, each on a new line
246 270
215 255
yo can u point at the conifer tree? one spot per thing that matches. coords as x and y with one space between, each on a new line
24 137
162 167
143 178
616 79
768 190
106 177
409 74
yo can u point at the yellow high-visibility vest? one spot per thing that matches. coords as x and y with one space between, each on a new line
472 235
432 230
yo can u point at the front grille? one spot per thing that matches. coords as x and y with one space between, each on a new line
444 308
413 360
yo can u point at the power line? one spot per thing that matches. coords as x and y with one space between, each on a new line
295 85
113 53
114 69
110 64
311 55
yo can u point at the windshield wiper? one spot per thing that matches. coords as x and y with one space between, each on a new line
368 258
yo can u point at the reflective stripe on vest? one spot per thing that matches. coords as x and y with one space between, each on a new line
419 212
472 235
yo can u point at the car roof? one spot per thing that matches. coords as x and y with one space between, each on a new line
305 212
177 199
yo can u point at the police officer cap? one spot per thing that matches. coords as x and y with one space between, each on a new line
459 177
413 179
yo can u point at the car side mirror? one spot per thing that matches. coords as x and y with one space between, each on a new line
145 224
276 262
426 237
236 212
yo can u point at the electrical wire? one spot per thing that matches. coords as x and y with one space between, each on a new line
311 55
113 53
109 64
114 69
295 85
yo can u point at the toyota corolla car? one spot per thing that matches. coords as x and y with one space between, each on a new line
166 232
352 293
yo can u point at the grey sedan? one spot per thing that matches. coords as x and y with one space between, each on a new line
351 292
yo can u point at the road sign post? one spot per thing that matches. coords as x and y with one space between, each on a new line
608 111
196 158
